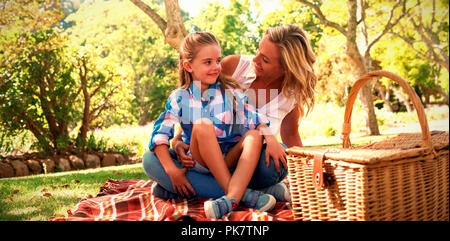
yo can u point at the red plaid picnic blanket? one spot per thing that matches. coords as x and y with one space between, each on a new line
124 200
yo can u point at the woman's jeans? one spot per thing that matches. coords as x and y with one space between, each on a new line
206 185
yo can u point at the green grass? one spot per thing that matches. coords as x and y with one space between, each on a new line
66 190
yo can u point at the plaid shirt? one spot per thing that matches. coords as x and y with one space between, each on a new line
185 106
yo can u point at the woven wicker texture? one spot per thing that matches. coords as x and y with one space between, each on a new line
402 178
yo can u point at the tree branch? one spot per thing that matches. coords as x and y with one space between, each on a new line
389 25
162 24
322 17
410 42
100 108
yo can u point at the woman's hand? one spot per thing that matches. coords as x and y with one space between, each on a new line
180 149
179 181
275 150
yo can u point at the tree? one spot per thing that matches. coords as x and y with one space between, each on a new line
43 79
425 31
173 28
125 37
102 88
427 34
358 52
38 90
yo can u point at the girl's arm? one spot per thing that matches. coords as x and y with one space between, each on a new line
289 129
177 175
273 148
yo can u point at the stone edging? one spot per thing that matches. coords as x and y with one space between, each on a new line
24 166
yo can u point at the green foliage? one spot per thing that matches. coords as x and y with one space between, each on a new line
330 131
94 144
293 12
125 37
37 89
231 25
48 85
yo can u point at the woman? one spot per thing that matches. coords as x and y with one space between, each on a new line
282 65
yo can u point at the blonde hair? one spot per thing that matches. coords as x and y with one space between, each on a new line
189 48
297 59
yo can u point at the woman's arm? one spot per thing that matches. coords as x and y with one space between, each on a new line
289 129
273 149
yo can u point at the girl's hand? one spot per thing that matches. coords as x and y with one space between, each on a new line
275 150
180 149
179 181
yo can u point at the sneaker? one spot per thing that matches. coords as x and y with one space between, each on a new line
219 207
159 191
258 200
279 191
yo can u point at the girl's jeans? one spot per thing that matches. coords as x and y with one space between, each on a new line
205 185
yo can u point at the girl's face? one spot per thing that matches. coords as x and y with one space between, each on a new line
205 67
267 60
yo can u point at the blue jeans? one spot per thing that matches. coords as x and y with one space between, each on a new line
206 185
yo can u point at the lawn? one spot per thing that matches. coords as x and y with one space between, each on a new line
41 196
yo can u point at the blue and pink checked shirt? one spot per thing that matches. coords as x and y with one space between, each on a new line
185 106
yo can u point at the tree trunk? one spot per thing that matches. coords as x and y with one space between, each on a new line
358 64
173 29
442 92
403 98
144 118
87 103
384 95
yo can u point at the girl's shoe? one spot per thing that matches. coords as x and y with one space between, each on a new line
258 200
279 191
159 191
219 207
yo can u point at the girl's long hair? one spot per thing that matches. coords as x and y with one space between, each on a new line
297 59
188 50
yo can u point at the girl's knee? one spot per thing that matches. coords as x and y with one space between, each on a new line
253 135
203 129
204 122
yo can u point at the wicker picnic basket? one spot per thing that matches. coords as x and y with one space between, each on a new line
402 178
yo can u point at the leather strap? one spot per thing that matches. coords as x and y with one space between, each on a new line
318 170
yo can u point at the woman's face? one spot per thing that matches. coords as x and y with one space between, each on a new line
267 60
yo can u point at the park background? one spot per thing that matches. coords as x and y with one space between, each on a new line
92 75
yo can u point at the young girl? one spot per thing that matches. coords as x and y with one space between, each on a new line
206 106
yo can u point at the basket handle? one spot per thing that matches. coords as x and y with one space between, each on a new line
346 127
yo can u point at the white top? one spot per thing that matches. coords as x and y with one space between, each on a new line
277 108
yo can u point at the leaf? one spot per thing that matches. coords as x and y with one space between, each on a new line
11 198
15 191
47 194
44 190
77 181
